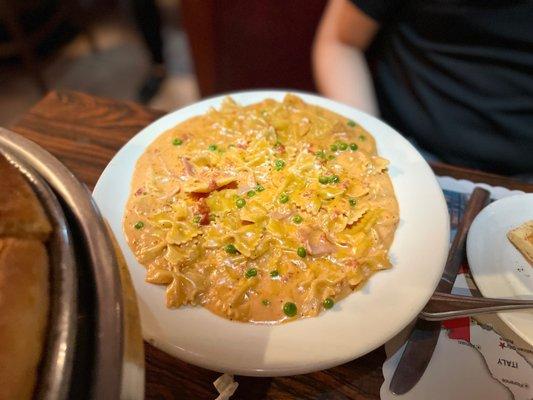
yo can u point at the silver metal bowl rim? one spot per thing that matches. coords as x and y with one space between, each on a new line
53 382
109 342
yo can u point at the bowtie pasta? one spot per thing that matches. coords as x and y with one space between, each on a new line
262 213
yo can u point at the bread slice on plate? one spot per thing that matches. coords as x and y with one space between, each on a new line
21 213
522 238
24 299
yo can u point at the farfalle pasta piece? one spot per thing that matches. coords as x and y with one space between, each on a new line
247 238
380 164
308 200
241 289
159 276
222 202
215 236
254 212
178 255
205 158
354 214
207 183
180 291
150 250
180 209
357 189
182 232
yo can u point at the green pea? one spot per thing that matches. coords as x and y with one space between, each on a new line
334 179
139 225
290 309
297 219
231 249
265 302
259 188
334 147
177 142
343 146
301 252
213 147
324 180
251 273
331 157
353 146
352 202
197 219
328 303
251 193
274 273
320 154
283 198
240 203
351 123
279 164
362 138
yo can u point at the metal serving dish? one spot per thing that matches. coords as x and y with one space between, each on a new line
108 349
57 360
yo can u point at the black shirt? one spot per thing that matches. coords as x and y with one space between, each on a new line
457 76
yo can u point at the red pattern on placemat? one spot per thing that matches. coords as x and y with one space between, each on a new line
459 328
464 268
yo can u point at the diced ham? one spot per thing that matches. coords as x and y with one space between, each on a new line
279 148
282 214
245 188
351 263
315 241
246 183
212 185
203 210
242 143
189 168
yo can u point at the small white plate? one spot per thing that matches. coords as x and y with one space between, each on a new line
355 326
497 267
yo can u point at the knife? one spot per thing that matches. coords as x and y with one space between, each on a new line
425 334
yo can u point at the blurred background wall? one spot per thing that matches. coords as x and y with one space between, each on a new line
95 46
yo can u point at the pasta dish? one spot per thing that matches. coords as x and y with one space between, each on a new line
262 213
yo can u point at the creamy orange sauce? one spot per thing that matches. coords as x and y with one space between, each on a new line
262 213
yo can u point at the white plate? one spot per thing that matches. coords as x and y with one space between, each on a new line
355 326
496 265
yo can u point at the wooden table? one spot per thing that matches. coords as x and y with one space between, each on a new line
85 132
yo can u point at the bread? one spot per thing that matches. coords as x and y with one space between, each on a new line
21 214
24 284
522 238
23 314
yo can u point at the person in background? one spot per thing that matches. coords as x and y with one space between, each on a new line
148 21
454 76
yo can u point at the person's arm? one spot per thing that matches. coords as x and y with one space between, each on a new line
340 68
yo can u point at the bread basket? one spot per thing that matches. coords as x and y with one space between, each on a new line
94 348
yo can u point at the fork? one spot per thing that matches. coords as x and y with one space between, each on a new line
443 306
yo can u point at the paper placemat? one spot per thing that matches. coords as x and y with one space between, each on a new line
477 358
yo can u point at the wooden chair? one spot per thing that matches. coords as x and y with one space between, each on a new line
243 44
